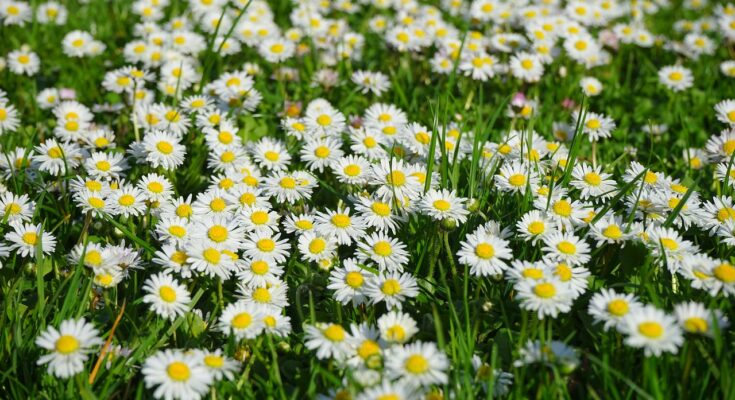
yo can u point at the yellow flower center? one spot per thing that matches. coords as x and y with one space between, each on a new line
179 257
214 361
617 307
184 211
324 120
651 329
612 232
266 245
126 200
676 76
55 152
217 205
167 293
593 124
352 170
383 248
417 364
536 227
259 217
517 180
725 273
241 320
367 349
261 295
217 233
669 244
322 152
533 273
212 255
442 205
593 178
287 183
545 290
317 245
341 220
396 333
485 251
396 178
334 333
563 272
562 208
30 238
96 202
66 344
391 287
354 279
381 209
696 325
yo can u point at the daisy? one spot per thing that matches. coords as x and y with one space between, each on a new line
219 365
322 119
57 158
348 282
219 230
341 225
526 67
259 272
609 307
299 223
396 327
272 294
595 126
694 318
23 62
592 182
328 340
676 78
394 180
176 374
610 230
444 204
163 150
210 259
387 390
417 364
14 208
155 187
26 238
9 117
486 254
287 187
316 247
320 153
106 166
388 253
564 212
393 288
667 245
127 201
70 346
266 246
726 112
242 320
591 86
276 50
516 177
535 226
653 330
276 323
370 82
547 297
167 297
378 214
173 260
551 353
351 170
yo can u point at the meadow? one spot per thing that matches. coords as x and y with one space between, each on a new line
367 199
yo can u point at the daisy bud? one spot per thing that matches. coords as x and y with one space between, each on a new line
487 306
473 206
242 354
449 224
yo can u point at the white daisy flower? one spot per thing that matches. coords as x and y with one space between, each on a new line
70 346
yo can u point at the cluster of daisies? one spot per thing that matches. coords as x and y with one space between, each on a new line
255 218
